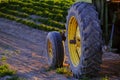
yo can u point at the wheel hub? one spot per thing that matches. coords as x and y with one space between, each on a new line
74 41
50 52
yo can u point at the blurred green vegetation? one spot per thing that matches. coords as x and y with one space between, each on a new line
48 15
5 70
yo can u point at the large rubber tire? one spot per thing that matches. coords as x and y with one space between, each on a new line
55 50
91 39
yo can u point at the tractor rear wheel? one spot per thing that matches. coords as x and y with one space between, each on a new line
84 40
55 49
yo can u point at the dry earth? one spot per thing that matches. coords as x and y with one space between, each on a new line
31 62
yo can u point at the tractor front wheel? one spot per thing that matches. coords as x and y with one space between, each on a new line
55 49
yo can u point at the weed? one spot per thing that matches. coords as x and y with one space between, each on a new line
3 59
65 71
16 78
105 78
4 67
5 70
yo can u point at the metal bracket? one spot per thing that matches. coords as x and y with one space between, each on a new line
72 41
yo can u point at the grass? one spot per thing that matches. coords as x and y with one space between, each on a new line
105 78
29 23
16 13
53 12
7 1
5 70
16 78
64 70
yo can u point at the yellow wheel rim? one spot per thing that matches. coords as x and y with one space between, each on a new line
74 41
50 52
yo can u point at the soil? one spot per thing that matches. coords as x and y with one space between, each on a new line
31 62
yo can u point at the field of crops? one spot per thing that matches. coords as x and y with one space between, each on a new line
45 15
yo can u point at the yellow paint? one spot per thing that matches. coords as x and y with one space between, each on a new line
74 34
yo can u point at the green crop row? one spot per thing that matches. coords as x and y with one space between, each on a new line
51 23
45 13
40 3
13 12
43 6
29 23
24 15
7 1
62 4
52 13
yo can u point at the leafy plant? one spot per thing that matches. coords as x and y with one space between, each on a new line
105 78
65 71
5 70
16 78
54 10
6 1
16 13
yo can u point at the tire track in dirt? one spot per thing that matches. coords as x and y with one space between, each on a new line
31 62
23 61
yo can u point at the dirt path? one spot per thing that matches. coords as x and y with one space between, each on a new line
111 66
31 63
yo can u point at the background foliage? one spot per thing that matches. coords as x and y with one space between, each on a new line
48 15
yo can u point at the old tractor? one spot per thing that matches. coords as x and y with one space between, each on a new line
92 28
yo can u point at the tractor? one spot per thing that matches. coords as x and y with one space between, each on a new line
92 28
